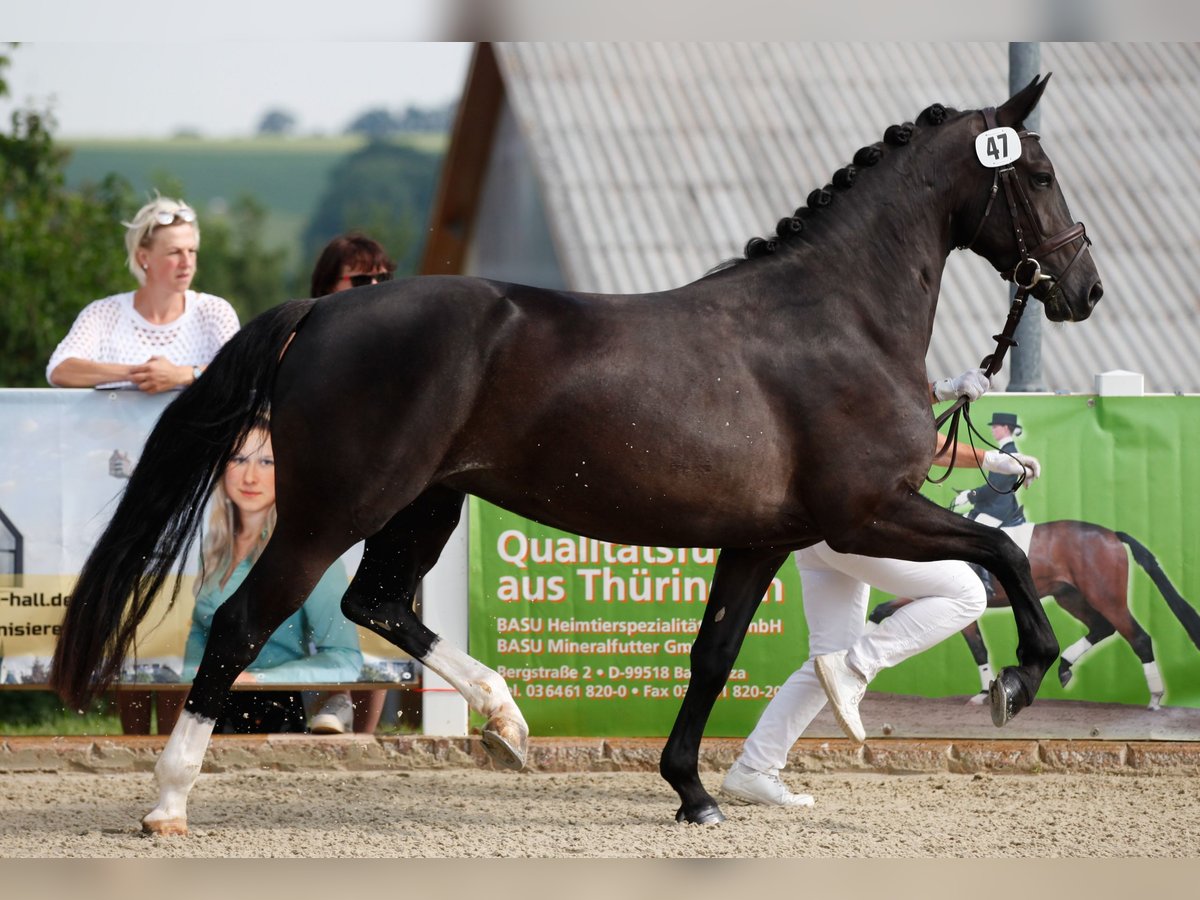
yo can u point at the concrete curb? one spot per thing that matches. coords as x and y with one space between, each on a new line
230 753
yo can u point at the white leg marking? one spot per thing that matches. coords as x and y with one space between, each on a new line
1076 650
985 680
1155 683
176 772
484 690
986 675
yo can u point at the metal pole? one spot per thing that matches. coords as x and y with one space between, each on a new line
1025 373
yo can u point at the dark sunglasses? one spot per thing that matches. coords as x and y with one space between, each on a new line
363 280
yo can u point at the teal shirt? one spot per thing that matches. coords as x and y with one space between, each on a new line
286 656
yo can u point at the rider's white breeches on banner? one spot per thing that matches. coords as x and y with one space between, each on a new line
948 596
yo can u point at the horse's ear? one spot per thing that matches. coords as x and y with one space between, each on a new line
1017 107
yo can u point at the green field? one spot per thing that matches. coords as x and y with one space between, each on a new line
286 175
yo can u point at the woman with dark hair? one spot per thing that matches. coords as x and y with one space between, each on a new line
350 260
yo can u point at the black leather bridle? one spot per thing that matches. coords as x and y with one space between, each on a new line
1026 274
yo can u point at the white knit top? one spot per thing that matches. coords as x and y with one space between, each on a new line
112 331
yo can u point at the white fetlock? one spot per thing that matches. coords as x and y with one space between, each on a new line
1154 682
176 771
979 699
506 735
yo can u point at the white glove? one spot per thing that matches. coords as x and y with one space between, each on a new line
1012 464
971 384
962 498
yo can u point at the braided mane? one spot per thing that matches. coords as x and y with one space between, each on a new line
789 228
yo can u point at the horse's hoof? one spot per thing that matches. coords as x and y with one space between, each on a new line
165 827
1004 697
709 814
506 742
1064 675
1155 702
978 699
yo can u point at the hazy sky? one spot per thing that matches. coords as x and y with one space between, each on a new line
222 88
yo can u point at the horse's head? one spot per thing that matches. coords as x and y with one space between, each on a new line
1015 216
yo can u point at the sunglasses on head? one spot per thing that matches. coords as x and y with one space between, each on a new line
183 214
363 280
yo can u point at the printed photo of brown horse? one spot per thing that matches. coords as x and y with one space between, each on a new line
1085 568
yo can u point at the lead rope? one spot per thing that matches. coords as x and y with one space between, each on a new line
960 409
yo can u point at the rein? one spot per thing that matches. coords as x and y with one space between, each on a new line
1026 274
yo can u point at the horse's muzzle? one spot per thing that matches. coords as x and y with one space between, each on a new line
1060 309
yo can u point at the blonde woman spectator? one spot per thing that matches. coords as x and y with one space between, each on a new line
159 337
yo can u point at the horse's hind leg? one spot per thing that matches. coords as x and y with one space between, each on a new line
381 598
1106 596
917 529
739 582
276 586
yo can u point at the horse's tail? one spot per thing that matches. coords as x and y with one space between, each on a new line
1184 611
159 514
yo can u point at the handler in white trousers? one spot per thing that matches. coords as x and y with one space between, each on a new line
843 656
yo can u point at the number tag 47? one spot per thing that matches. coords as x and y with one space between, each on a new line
998 147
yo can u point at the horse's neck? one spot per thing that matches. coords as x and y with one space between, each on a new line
879 254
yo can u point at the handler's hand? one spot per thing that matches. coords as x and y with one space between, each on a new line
1033 468
246 678
158 374
962 498
1012 464
971 384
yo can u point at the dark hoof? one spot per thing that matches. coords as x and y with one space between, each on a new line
1005 698
1065 672
709 814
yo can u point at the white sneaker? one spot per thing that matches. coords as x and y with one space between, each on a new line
845 689
335 717
765 789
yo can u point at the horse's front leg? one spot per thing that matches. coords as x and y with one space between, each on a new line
739 582
1037 647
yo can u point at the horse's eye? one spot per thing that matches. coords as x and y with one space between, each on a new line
1043 179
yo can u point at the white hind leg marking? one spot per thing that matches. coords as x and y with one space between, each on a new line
176 772
506 736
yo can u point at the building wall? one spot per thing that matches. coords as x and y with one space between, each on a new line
511 238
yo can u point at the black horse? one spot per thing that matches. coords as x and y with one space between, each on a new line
736 412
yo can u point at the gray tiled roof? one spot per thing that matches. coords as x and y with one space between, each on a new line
659 161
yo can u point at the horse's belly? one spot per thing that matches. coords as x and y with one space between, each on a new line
694 512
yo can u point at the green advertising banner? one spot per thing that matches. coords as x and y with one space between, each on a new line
594 638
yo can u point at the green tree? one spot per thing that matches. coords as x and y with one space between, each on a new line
383 190
234 261
375 123
59 249
277 122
